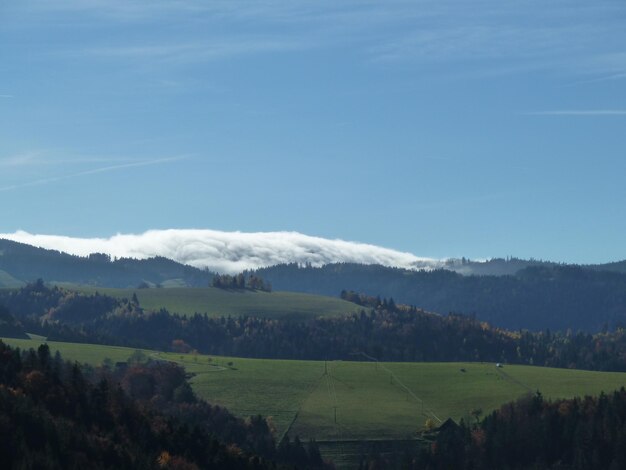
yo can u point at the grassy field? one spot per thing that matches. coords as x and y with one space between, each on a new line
393 400
92 354
218 302
8 281
371 400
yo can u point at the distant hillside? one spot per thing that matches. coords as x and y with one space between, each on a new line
511 293
618 266
510 266
494 266
20 263
539 297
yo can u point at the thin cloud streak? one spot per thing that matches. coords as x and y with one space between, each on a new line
579 112
229 252
190 52
38 158
275 11
20 159
94 171
608 78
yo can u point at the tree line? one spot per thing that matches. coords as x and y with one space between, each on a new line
533 433
240 281
382 329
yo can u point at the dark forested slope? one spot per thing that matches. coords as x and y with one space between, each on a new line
54 414
532 433
536 297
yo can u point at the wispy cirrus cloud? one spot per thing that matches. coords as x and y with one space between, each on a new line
93 171
19 159
501 37
230 252
187 52
605 67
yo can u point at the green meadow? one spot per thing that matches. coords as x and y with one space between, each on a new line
9 282
92 354
355 400
217 302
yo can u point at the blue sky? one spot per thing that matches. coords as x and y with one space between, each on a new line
442 128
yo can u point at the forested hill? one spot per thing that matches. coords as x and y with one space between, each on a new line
538 297
533 433
533 295
142 415
21 263
511 266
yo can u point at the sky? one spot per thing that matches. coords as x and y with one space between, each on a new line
439 128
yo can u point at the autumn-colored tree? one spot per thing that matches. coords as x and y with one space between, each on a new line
179 346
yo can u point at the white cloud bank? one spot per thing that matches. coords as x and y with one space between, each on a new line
229 252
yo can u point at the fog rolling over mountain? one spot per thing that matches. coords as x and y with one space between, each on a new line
234 252
229 252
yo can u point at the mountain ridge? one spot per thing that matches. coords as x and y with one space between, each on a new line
538 295
23 263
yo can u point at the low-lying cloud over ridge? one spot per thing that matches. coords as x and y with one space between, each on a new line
229 252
